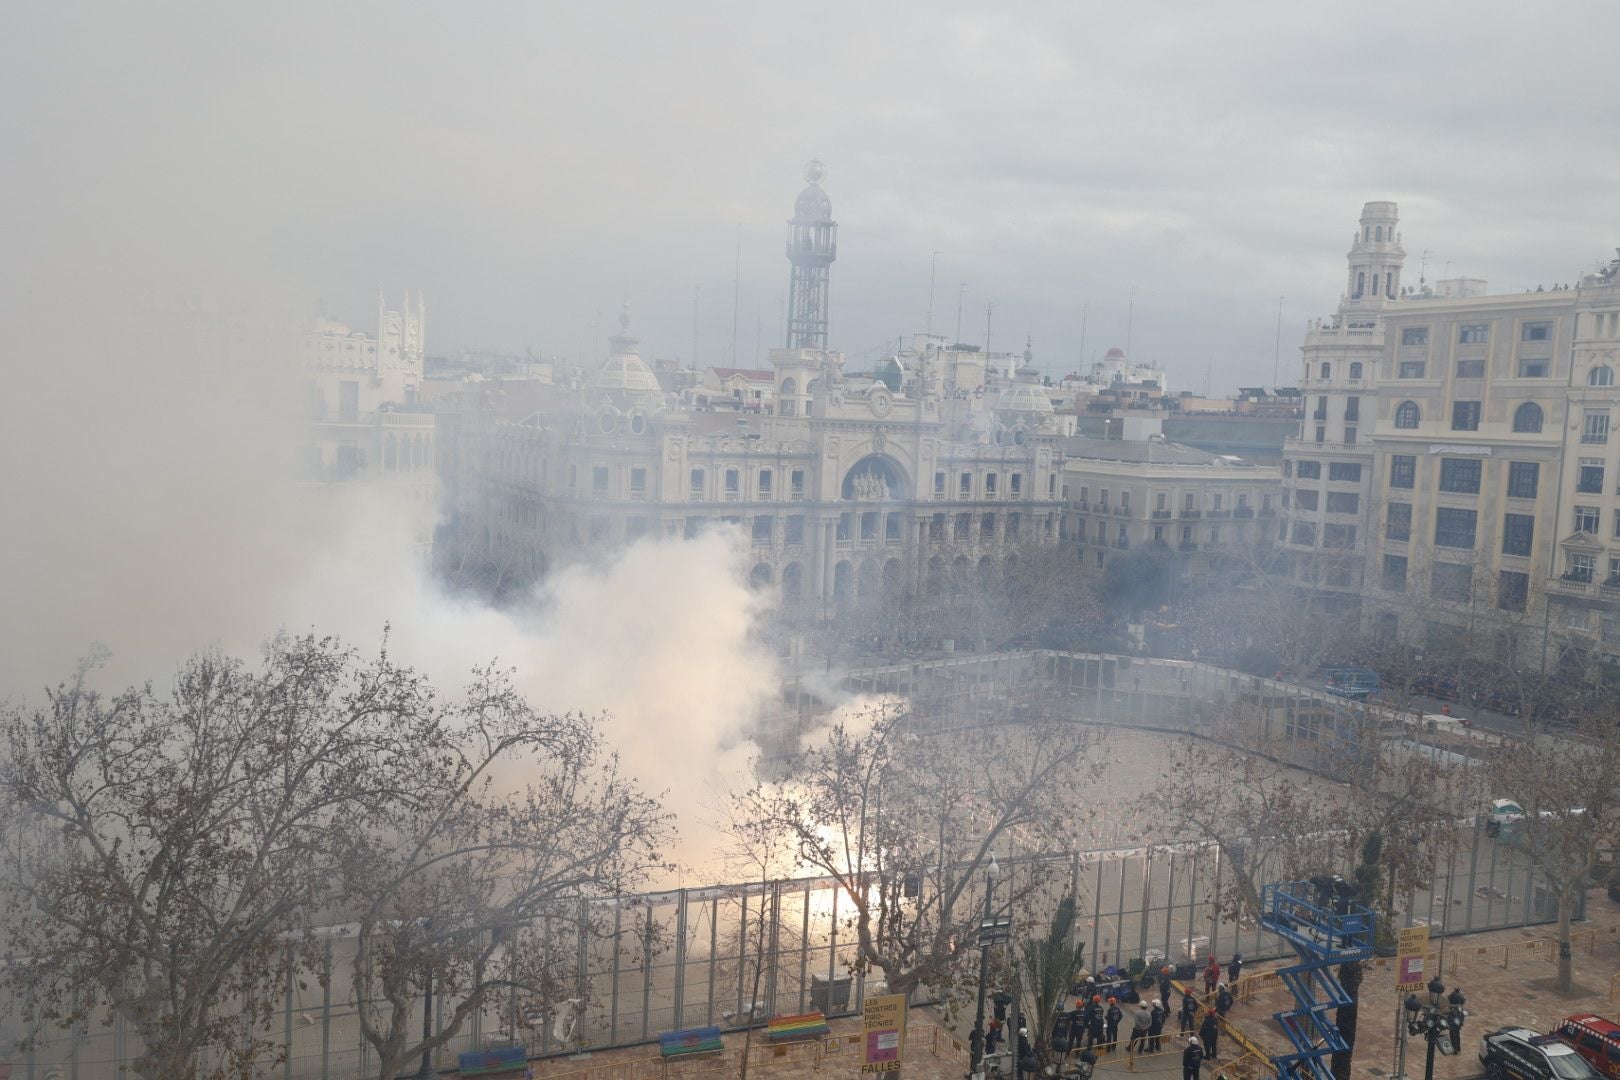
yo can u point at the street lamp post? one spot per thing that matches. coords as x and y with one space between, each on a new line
427 1071
987 937
1440 1017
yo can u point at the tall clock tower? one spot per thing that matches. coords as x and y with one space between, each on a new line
812 245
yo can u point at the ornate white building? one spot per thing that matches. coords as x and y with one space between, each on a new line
850 492
360 390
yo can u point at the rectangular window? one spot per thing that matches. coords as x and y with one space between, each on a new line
1321 433
1410 369
765 483
796 481
1398 522
1339 537
965 487
1349 436
1460 475
1586 519
1617 524
964 527
1518 533
1125 501
764 526
1215 503
1288 468
1305 500
1595 428
638 480
1402 470
939 485
1451 581
1343 502
1581 567
348 402
869 525
1465 416
1352 410
1512 589
891 529
1012 526
1471 368
846 528
1415 335
1308 470
990 485
599 479
1536 331
1304 533
795 529
1454 528
733 483
1344 472
1589 480
1394 573
1017 482
987 527
1523 477
1534 369
1321 409
936 528
1474 334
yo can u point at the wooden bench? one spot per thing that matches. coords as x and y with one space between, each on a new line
693 1042
787 1029
501 1061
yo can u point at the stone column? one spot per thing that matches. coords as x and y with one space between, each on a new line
829 554
919 556
817 559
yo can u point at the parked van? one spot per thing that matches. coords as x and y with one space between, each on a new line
1595 1039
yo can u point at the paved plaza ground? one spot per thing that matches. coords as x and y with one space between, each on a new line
1509 977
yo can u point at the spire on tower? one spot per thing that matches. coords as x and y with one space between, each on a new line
812 246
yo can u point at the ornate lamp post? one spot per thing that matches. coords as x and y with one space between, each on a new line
1439 1017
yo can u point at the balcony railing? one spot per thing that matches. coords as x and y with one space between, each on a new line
1161 515
1122 511
1190 513
1220 513
1243 512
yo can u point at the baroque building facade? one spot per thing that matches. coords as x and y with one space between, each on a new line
850 492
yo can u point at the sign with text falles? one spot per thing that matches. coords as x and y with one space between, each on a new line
883 1034
1410 950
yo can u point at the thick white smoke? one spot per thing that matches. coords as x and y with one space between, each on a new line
150 511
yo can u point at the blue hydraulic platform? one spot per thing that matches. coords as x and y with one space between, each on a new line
1326 930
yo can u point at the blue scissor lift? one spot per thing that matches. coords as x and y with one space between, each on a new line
1326 931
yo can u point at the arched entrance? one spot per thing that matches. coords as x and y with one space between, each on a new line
843 584
792 583
761 577
867 588
892 578
876 478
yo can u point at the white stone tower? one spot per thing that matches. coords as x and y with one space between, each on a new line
1375 256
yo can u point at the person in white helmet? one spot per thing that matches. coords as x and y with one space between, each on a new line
1192 1059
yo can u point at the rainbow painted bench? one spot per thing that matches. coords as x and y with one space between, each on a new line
502 1061
786 1029
692 1042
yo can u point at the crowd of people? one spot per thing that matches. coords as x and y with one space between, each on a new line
1098 1021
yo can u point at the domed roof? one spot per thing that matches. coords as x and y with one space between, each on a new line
812 206
1116 353
1025 395
625 374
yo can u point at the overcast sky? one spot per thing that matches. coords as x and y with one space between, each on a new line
526 164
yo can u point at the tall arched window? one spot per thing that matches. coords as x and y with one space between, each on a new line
1355 370
1361 282
1527 417
1407 415
1602 375
1327 369
1378 233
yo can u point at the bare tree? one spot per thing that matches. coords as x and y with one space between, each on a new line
1567 782
905 817
512 815
159 846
